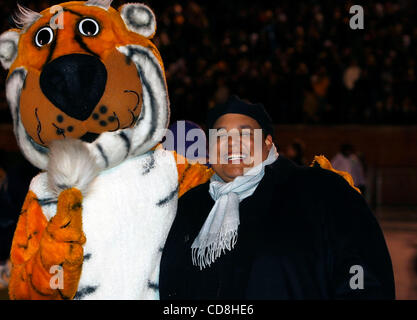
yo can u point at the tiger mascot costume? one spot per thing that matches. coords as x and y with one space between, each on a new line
89 101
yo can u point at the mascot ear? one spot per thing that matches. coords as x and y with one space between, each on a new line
139 18
8 47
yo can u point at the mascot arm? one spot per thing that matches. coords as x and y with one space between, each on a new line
323 162
38 245
190 175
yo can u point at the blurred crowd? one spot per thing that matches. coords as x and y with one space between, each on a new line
299 58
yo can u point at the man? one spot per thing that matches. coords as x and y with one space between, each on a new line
270 229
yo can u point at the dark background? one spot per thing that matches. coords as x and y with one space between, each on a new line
323 83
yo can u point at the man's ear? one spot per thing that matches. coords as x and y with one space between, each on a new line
269 141
139 18
8 47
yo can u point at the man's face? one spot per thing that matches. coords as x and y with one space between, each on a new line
240 145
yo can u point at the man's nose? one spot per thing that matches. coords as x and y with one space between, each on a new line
234 142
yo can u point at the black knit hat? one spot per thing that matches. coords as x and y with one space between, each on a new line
235 105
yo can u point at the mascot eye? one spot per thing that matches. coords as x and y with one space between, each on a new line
89 27
44 37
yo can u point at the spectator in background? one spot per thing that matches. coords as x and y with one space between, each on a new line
295 152
6 227
351 75
5 269
347 160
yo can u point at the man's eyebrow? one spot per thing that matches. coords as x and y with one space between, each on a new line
245 126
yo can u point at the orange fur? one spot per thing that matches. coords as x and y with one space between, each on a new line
38 245
114 33
190 175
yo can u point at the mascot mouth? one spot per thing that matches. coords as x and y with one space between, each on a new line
89 137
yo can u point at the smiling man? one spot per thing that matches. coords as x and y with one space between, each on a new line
238 141
264 228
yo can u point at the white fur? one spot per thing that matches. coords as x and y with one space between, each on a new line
139 18
25 17
40 186
9 41
71 165
113 147
149 68
124 227
14 88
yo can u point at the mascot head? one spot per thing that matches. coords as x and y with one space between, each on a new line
83 70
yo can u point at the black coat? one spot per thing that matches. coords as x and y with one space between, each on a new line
300 233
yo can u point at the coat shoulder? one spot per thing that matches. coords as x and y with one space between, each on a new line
307 179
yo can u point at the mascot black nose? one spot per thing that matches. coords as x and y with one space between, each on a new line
74 83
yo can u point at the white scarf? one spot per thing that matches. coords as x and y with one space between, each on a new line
219 231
